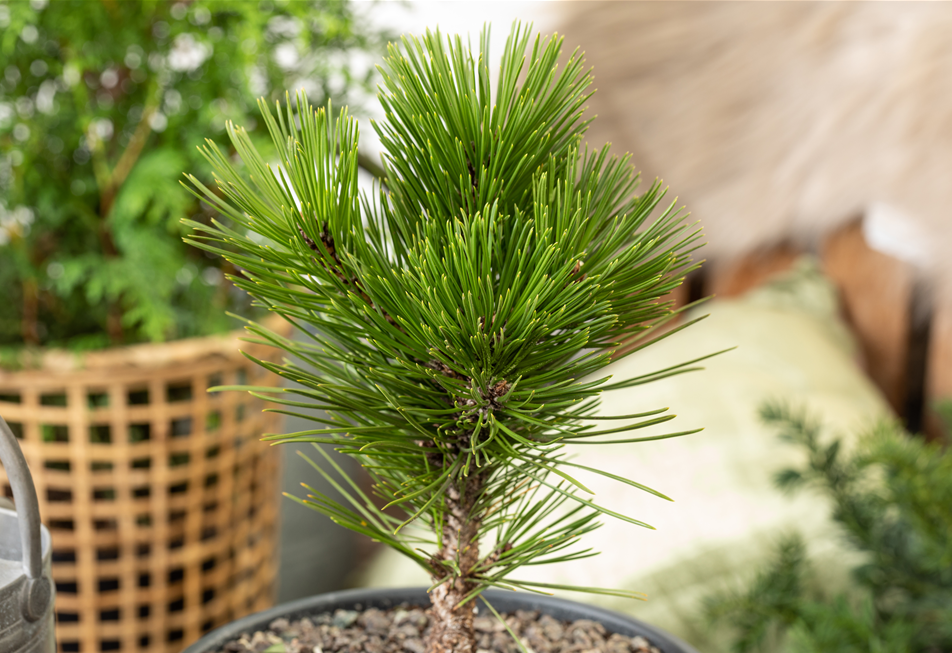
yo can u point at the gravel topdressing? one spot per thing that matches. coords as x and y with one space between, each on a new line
402 630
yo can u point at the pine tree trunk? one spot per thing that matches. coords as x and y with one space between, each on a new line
451 629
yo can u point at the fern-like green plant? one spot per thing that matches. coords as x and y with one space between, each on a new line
101 104
460 315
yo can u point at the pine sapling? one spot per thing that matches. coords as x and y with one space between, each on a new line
457 317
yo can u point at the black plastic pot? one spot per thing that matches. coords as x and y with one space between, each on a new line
503 601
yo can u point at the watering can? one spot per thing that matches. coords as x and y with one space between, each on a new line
26 589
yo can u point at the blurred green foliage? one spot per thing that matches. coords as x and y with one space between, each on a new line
892 501
102 105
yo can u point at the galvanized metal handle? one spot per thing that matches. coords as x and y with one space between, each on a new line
37 592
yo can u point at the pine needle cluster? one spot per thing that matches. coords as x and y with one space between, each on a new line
458 315
892 501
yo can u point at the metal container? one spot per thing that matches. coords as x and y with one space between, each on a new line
26 587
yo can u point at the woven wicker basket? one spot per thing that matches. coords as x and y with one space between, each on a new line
161 502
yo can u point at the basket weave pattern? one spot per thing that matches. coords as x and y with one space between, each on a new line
161 502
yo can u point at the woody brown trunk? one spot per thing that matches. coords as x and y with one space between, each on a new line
451 629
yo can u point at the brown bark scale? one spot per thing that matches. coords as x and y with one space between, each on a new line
451 629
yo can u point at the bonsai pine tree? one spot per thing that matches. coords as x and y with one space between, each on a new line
459 315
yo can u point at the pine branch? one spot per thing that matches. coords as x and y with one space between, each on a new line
892 498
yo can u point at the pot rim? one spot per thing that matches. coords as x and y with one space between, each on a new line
384 598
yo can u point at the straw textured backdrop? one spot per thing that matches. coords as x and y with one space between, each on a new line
781 121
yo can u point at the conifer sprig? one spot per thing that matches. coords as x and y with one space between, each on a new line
455 320
891 497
